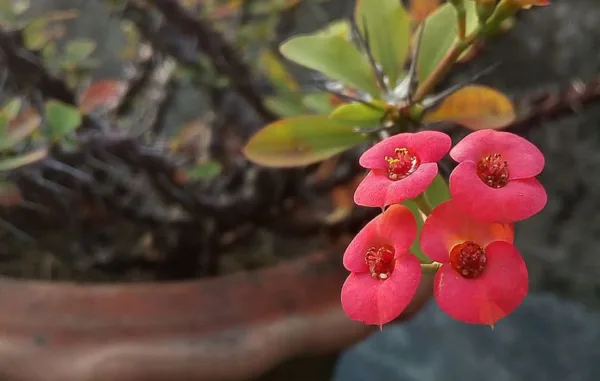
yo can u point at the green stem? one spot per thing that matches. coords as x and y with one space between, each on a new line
423 204
446 64
461 20
430 268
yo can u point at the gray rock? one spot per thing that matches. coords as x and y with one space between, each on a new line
545 339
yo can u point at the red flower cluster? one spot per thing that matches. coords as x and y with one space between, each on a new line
481 276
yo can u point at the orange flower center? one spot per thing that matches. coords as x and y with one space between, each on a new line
381 261
493 171
468 259
402 165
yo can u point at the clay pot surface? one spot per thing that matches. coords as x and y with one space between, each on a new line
234 327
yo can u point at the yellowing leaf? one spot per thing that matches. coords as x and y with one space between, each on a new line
10 163
334 57
475 107
300 141
20 127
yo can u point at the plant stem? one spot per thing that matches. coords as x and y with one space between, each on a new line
423 204
430 268
446 64
461 20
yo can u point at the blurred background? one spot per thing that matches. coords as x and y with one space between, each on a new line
152 187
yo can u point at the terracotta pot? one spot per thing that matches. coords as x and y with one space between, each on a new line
233 327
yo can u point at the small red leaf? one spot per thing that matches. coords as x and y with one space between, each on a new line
102 96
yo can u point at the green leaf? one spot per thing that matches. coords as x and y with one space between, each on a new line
284 107
300 141
7 164
79 49
4 121
337 28
437 192
386 24
440 34
11 108
359 114
318 102
35 35
204 170
276 72
334 57
62 118
415 248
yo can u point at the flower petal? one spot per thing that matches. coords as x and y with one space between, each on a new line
377 302
428 146
518 200
448 225
486 299
396 227
524 159
377 190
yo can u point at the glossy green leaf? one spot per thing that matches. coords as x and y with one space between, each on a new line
386 24
284 107
10 163
334 57
300 141
415 248
318 103
437 192
440 34
359 114
79 49
62 118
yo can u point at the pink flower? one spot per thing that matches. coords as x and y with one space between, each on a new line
495 178
384 274
402 167
483 277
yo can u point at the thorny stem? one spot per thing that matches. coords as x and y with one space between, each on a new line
431 268
446 64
